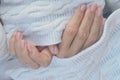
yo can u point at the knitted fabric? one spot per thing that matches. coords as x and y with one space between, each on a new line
98 62
3 44
41 21
90 64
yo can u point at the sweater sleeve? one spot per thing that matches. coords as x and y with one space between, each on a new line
41 22
3 44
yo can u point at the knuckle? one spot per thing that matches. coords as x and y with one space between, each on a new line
82 35
71 30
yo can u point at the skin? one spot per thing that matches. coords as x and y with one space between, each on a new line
82 31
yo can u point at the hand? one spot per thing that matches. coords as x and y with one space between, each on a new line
52 48
27 53
82 31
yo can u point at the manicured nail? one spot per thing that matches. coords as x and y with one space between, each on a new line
99 12
93 7
83 7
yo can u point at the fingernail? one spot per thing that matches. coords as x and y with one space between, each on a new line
83 7
23 44
93 7
99 12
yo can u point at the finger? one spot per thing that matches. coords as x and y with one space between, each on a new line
95 30
27 57
46 56
34 54
18 48
21 56
12 44
84 30
40 48
43 58
53 49
72 28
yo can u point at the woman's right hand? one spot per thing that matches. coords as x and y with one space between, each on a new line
82 31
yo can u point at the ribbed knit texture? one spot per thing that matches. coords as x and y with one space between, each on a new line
3 44
43 18
98 62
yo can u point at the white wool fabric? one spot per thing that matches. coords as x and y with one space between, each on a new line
3 44
98 62
42 23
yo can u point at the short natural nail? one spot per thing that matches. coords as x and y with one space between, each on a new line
83 7
93 7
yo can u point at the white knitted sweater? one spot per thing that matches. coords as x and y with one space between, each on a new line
42 22
98 62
